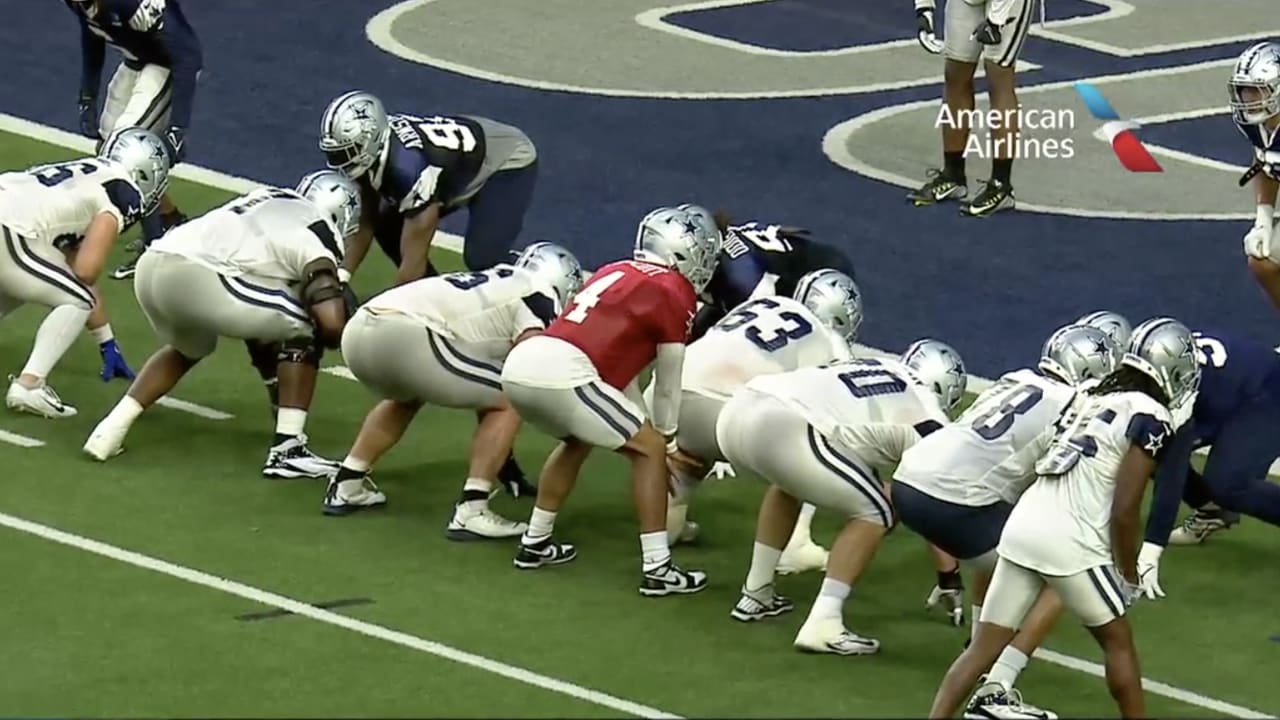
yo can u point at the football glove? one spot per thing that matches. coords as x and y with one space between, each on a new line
950 601
175 143
925 32
88 110
1257 242
1149 571
113 364
721 470
987 33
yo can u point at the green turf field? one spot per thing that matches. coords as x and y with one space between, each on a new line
88 635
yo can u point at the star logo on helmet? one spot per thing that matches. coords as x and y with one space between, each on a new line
690 227
1100 346
360 110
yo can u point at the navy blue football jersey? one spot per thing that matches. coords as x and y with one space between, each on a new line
770 259
1234 373
429 159
1266 147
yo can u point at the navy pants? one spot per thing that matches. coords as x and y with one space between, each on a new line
1235 475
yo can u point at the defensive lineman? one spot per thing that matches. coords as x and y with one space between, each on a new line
442 340
1255 106
577 382
263 268
59 222
153 88
840 425
1076 528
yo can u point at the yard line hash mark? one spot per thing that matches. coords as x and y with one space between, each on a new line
189 407
20 440
231 587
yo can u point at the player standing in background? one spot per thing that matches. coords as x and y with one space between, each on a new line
1076 528
443 340
59 223
1255 106
821 435
414 171
993 31
153 88
577 382
263 267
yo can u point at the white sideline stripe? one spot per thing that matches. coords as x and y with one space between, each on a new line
453 242
20 440
231 587
189 407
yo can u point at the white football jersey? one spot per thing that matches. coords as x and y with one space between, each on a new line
268 233
876 408
55 204
759 337
1062 523
973 461
490 308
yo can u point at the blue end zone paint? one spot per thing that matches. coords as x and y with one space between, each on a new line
1213 136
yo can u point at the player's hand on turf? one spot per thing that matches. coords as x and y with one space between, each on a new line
722 470
925 32
113 363
176 143
1257 242
1149 571
88 111
987 33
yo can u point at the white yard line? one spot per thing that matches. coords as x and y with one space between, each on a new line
20 440
189 407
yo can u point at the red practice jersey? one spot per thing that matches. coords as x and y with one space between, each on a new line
623 314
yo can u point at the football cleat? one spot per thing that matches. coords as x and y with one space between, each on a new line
800 558
994 197
993 702
760 604
471 523
940 187
339 501
1202 523
544 553
669 579
293 459
40 400
105 442
830 636
130 267
950 600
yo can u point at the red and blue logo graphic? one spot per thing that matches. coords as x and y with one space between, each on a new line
1128 148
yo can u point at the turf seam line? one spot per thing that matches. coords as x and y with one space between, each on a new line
379 632
325 605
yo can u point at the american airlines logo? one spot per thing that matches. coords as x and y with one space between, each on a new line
1128 148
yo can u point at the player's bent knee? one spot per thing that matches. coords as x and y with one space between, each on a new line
959 74
647 441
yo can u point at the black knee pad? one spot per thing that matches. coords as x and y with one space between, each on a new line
306 351
264 357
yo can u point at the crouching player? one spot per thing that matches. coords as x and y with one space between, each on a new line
262 268
1076 528
577 382
819 435
442 340
58 223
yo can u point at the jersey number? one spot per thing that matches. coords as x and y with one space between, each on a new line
1075 441
872 379
468 280
589 296
1210 351
768 239
769 339
1017 400
447 134
51 175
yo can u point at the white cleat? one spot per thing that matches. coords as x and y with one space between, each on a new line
344 501
759 604
105 442
471 523
293 459
830 636
993 702
800 558
40 400
1202 523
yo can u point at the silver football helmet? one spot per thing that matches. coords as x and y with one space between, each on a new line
555 266
353 133
705 219
336 196
834 298
939 367
675 239
1255 84
143 157
1115 325
1076 353
1164 350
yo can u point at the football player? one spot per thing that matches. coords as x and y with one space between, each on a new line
957 486
577 382
760 337
841 423
1255 105
416 170
59 222
263 267
442 340
993 31
153 88
1076 528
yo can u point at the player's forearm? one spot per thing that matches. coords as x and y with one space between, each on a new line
185 58
1131 481
415 244
1170 480
1264 191
357 247
708 315
92 57
667 371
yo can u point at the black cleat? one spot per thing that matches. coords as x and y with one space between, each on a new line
544 553
671 580
994 197
941 187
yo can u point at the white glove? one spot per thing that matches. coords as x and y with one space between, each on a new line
344 275
722 470
1257 242
1149 571
925 32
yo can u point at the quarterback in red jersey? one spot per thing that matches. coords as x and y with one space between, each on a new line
577 382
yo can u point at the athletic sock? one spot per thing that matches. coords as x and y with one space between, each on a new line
475 493
541 524
953 165
654 550
1010 664
829 605
290 422
1002 170
351 474
975 614
764 564
57 332
803 534
124 413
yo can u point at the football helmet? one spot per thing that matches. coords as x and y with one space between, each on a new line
939 367
1164 350
1115 325
1076 353
143 157
336 196
353 133
705 219
675 239
1255 84
556 267
834 298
